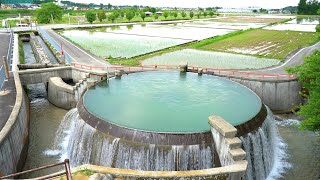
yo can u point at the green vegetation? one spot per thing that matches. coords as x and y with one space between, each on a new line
309 73
6 13
47 12
91 16
87 172
308 7
318 28
21 52
218 38
260 43
102 15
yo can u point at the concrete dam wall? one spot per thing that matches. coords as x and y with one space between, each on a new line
278 95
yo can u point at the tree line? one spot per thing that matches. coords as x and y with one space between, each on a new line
310 7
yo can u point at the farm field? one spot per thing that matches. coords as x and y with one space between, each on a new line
168 31
264 43
252 19
221 60
222 25
118 45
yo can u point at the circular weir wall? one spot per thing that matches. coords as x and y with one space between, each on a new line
169 108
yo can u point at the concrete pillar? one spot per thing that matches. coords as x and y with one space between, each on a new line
183 68
6 68
118 73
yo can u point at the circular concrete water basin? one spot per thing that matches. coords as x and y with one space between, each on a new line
140 105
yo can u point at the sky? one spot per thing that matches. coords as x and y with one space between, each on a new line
199 3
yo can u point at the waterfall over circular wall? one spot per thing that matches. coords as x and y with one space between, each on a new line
89 137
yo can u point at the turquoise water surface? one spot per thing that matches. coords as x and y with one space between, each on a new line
171 102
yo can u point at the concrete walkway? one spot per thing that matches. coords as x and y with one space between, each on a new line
7 100
4 45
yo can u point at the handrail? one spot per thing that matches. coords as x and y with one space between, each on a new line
67 172
217 71
9 53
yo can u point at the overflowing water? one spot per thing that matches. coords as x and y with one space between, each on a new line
265 151
83 144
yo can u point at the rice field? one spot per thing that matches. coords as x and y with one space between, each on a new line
223 25
170 31
210 59
118 45
264 43
252 19
293 27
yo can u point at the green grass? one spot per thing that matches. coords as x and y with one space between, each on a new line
260 43
218 38
21 52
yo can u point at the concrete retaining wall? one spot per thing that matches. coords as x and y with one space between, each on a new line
61 94
36 76
14 136
38 51
228 148
227 145
278 95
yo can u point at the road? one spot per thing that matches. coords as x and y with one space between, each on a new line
77 54
293 60
4 39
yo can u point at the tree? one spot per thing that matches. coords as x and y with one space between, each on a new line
198 15
309 73
205 13
254 11
47 12
175 15
302 7
211 13
183 14
129 15
143 15
165 14
101 15
101 6
153 10
91 16
112 17
191 14
109 6
156 16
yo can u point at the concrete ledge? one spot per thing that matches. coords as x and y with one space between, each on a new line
222 126
218 173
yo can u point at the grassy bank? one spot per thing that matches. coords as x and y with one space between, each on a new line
21 52
261 43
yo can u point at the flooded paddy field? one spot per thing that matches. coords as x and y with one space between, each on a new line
222 60
119 45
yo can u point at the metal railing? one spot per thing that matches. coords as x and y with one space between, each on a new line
67 172
221 72
10 49
55 44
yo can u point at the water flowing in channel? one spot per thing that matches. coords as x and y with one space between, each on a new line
265 151
83 144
